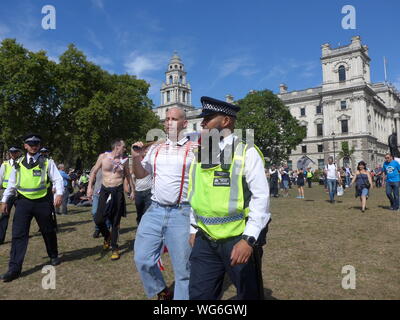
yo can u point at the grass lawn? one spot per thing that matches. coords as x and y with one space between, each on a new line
309 242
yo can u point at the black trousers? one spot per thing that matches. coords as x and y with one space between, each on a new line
273 188
113 210
309 181
142 203
210 261
4 218
25 210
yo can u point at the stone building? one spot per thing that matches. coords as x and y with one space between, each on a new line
347 107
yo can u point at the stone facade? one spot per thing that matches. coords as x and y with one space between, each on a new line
346 107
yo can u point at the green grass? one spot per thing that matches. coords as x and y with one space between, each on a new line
308 244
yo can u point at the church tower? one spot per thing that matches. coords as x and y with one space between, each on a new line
176 89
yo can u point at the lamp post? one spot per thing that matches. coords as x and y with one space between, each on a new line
334 150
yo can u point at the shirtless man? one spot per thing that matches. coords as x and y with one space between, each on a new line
114 170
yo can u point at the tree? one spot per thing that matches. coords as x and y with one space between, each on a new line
75 105
276 130
346 153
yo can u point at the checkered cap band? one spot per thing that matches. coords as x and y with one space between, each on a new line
219 108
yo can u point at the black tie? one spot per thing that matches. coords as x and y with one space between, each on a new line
31 161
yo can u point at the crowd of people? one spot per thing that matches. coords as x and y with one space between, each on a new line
336 179
210 213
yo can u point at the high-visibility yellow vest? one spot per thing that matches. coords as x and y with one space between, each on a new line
32 183
7 172
84 179
220 197
309 174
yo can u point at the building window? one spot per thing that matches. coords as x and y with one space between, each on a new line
176 66
168 96
304 149
320 148
321 164
180 79
302 112
342 73
345 127
343 105
319 109
170 79
290 164
320 130
183 96
194 126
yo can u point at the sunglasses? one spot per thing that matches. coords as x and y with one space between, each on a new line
33 144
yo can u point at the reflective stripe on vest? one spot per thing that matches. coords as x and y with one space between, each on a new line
29 185
7 172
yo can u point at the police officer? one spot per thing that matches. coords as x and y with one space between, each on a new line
229 195
29 180
45 152
5 170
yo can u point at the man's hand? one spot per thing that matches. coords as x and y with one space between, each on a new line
132 195
4 208
192 237
89 192
241 253
58 201
137 148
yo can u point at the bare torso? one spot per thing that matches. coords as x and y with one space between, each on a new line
112 170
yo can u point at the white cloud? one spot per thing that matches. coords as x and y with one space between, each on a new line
241 65
98 3
94 40
141 64
4 30
100 60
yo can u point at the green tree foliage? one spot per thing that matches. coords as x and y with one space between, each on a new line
76 106
276 130
346 153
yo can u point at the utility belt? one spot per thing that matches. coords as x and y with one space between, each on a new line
261 241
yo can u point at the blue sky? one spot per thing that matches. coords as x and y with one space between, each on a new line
227 46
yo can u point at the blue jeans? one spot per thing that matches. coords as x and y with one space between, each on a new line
392 192
95 204
169 225
332 188
348 180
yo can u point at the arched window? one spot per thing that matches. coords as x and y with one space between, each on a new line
342 73
180 79
170 79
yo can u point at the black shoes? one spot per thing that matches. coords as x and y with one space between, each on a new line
10 276
55 261
96 234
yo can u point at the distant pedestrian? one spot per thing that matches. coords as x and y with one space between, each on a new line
66 179
300 184
285 180
274 181
332 177
363 180
391 178
309 176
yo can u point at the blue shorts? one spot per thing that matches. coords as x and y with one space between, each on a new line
364 192
285 184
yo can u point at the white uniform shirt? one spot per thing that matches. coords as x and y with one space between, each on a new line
259 214
54 176
168 175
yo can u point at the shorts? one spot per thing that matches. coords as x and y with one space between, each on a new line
285 184
364 192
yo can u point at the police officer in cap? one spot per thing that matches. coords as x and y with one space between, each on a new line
229 196
29 181
5 170
45 152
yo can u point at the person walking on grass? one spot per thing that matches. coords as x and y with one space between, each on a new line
332 177
300 184
363 180
391 179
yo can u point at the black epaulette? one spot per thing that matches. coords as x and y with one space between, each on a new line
41 161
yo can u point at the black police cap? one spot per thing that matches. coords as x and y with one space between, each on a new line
44 150
33 138
14 149
212 106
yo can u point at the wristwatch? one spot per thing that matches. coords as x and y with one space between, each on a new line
250 240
